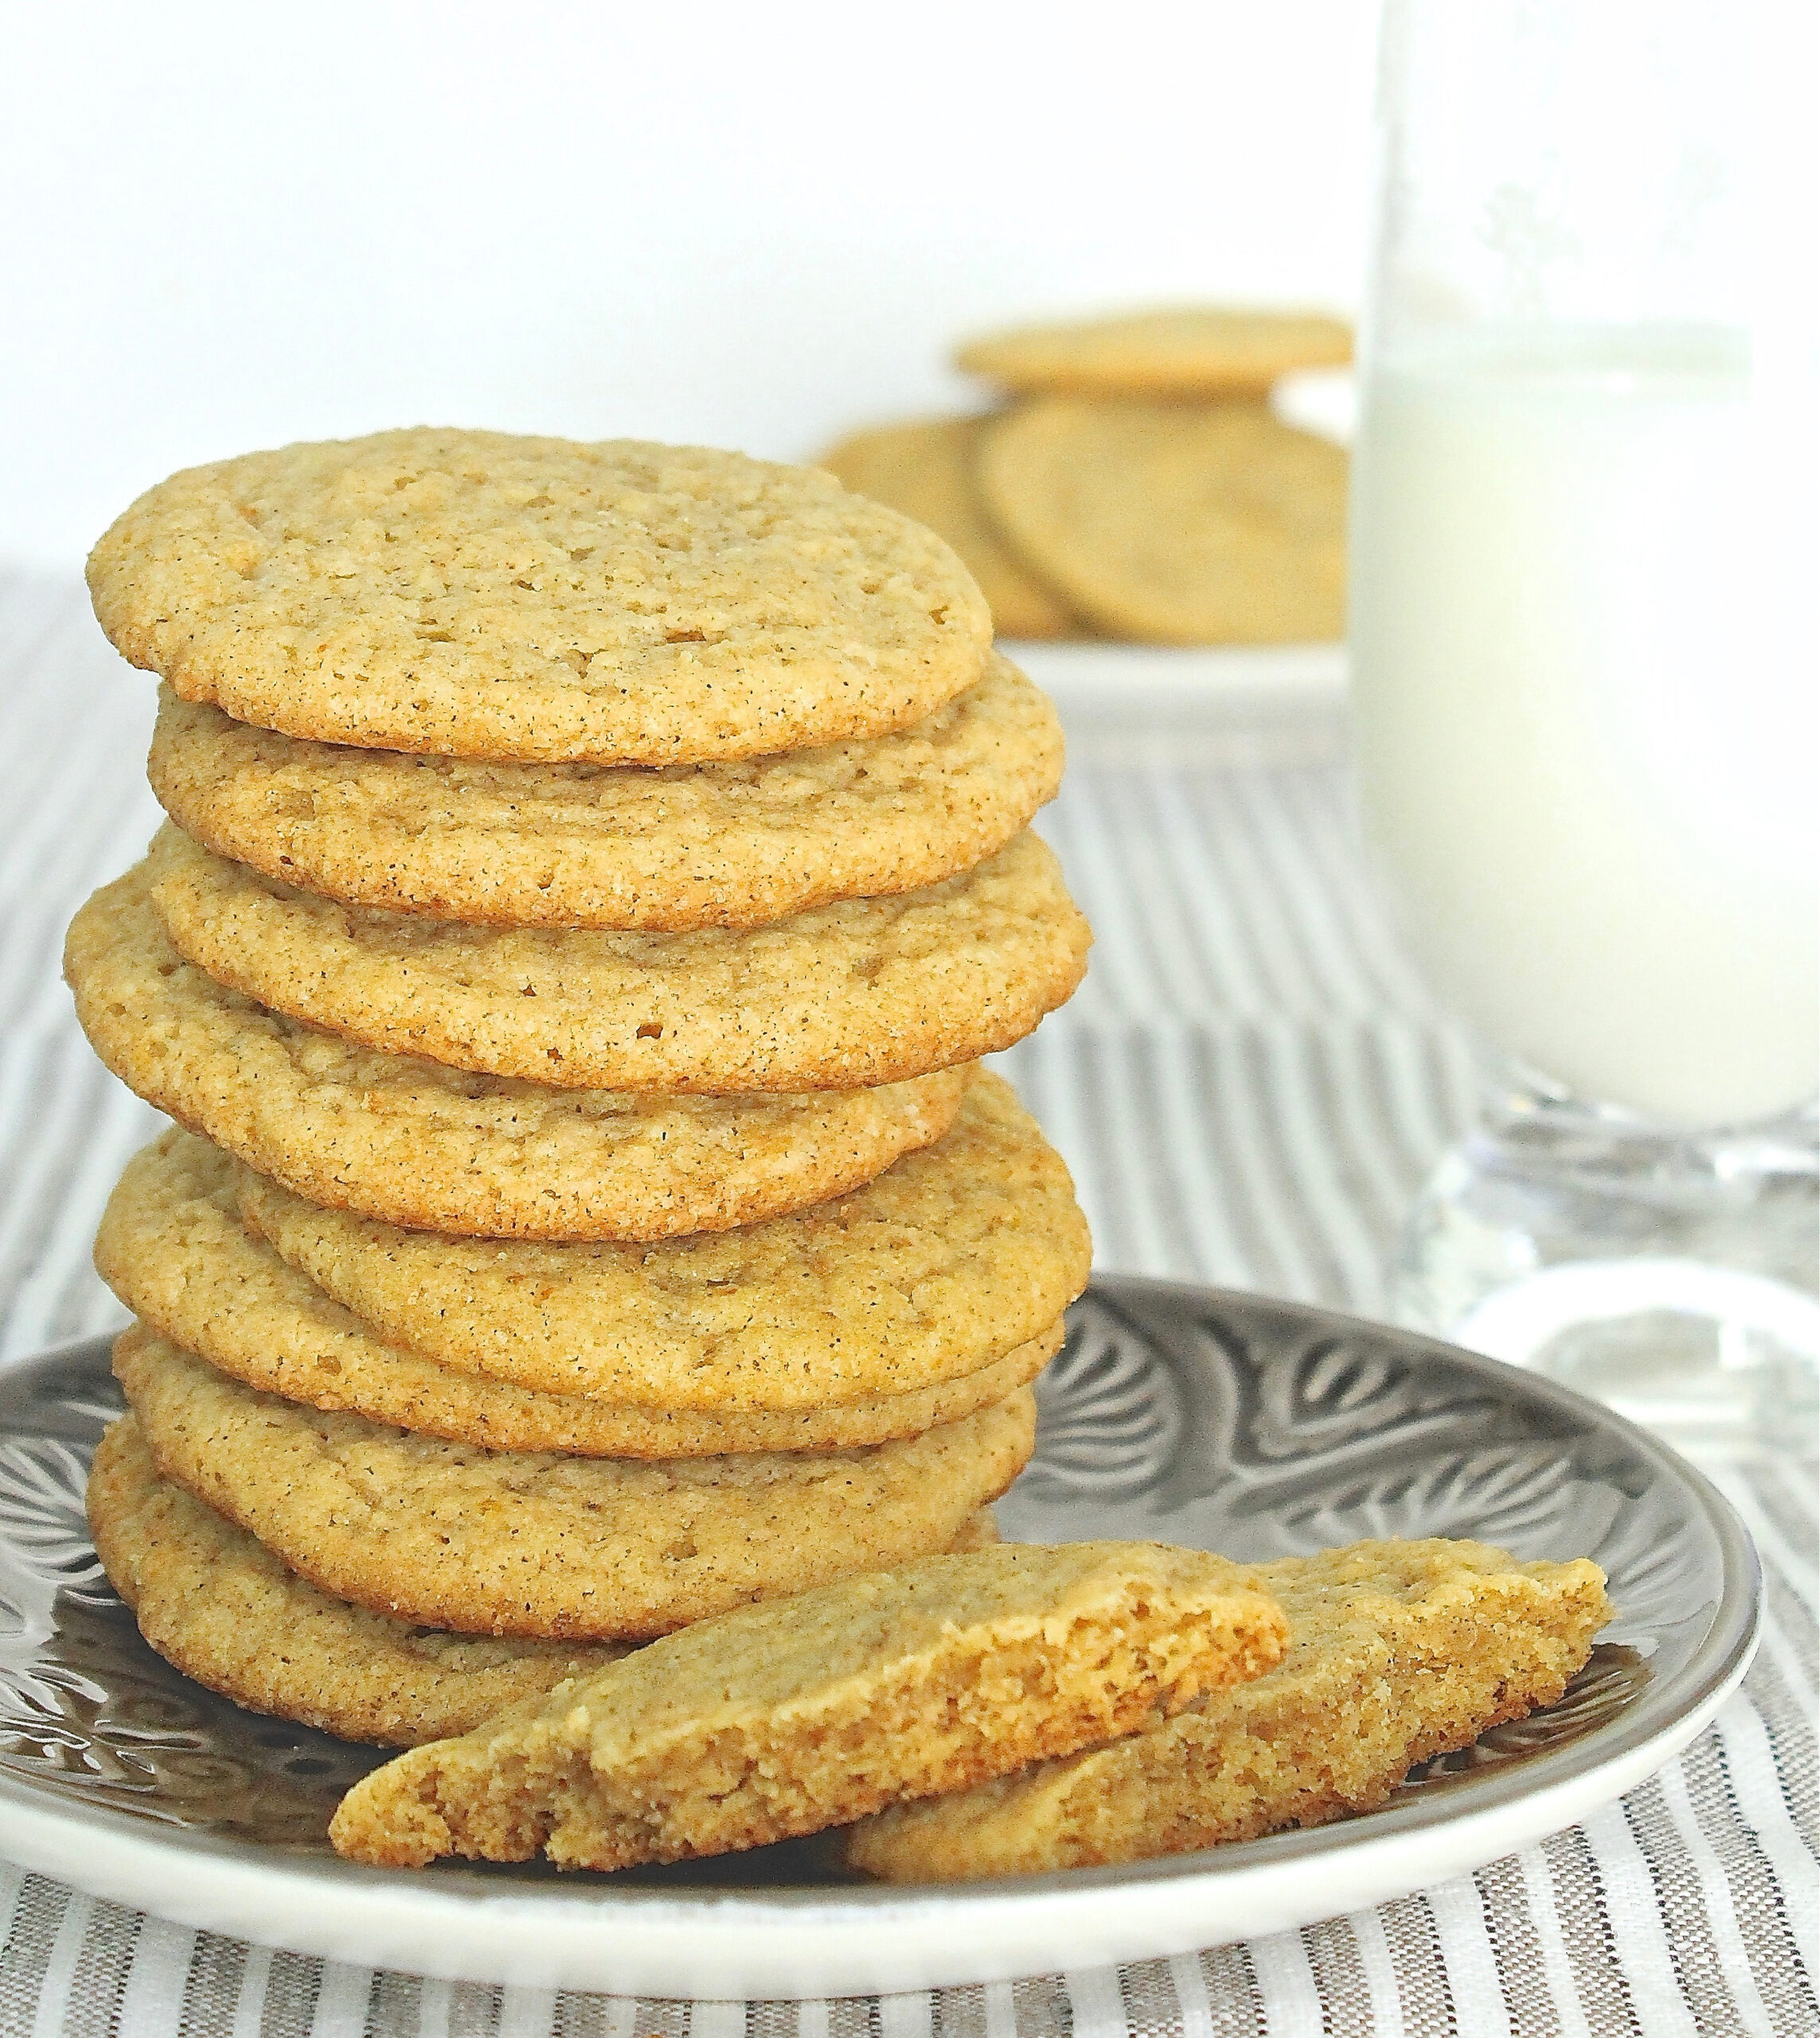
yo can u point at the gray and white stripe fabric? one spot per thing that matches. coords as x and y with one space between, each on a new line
1248 1087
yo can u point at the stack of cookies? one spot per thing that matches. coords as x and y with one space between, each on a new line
593 873
1136 484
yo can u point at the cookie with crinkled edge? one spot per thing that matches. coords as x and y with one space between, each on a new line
415 1142
925 469
172 1247
1195 350
782 1720
1397 1652
946 1261
473 594
735 844
859 994
220 1607
532 1543
1209 524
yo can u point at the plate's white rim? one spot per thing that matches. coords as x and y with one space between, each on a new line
735 1945
458 1925
1312 675
1154 705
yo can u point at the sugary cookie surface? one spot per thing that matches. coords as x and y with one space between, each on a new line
218 1604
942 1264
172 1248
478 595
537 1543
847 996
414 1142
926 468
598 846
1213 523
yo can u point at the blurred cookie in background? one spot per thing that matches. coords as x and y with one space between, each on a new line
1174 523
1197 350
925 469
1137 485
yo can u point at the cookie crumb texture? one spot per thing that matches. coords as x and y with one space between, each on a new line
1397 1652
785 1720
474 593
537 1543
595 846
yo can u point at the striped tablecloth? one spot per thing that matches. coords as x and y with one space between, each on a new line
1248 1087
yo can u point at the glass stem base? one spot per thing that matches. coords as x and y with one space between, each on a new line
1673 1276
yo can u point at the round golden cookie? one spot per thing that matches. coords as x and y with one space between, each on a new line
598 845
925 469
1196 350
418 1143
172 1247
218 1605
473 594
946 1261
1182 524
864 993
534 1544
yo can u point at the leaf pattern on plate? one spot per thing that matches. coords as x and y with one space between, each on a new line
105 1720
1109 1420
43 1525
1513 1495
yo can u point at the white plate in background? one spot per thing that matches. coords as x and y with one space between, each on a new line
1221 704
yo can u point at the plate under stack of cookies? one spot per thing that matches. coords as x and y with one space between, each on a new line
593 874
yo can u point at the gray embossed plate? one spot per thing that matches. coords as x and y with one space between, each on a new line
1252 1426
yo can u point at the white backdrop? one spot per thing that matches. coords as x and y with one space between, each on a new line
226 225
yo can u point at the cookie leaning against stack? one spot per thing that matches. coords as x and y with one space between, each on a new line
594 871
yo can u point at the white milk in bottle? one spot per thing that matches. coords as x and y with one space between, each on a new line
1586 751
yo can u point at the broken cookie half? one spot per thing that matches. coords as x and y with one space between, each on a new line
1398 1651
787 1718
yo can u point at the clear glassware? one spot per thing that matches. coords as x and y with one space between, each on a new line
1585 686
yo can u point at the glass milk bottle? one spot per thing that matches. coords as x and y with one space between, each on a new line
1585 691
